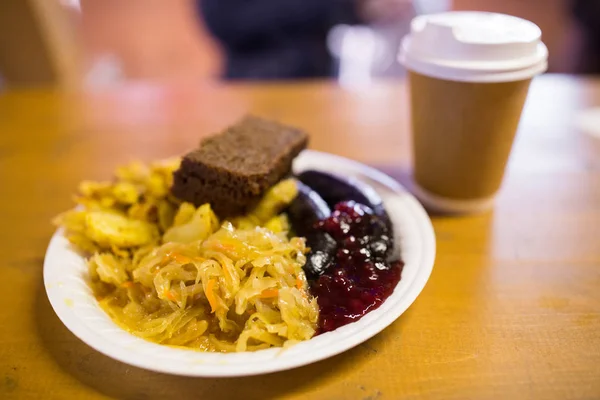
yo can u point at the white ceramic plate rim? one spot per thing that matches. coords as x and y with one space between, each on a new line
65 281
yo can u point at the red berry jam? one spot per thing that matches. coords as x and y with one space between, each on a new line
361 278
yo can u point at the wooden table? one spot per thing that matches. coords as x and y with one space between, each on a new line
512 310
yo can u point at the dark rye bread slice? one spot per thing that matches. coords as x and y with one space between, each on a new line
233 169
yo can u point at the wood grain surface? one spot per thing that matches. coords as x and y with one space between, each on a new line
512 309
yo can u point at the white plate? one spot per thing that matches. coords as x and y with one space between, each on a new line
65 275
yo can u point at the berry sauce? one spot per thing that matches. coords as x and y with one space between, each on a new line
360 279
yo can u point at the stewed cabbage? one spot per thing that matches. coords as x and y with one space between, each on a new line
174 274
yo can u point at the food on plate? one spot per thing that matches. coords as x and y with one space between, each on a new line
361 278
232 170
133 211
236 290
226 251
335 189
173 273
304 212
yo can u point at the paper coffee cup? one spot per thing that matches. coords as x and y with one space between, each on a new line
469 73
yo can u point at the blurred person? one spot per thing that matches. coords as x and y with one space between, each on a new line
152 40
587 15
286 39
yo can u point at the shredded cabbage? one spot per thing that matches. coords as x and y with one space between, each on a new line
174 274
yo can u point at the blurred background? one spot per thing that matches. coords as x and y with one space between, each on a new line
92 43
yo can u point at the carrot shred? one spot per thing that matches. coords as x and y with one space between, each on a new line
127 284
180 258
165 260
169 295
269 293
223 247
299 283
210 294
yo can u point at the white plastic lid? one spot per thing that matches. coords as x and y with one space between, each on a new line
474 47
